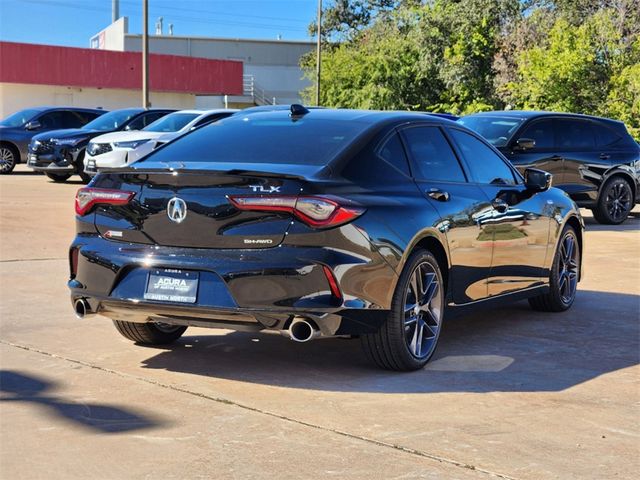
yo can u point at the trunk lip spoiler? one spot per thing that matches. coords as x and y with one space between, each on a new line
235 171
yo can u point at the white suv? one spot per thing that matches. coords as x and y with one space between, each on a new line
117 149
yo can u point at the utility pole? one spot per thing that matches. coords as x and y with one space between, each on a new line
145 54
318 53
115 10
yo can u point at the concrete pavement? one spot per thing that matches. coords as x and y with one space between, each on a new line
510 393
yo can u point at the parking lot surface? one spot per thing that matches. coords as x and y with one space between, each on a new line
510 393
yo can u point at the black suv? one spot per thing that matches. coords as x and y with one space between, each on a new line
595 160
17 129
60 153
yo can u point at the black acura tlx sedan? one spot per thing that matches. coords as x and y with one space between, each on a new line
318 222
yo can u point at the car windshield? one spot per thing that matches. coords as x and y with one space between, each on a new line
111 121
263 138
171 123
18 119
497 130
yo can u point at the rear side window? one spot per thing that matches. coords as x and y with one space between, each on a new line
392 152
264 138
542 132
574 134
86 117
432 155
71 120
485 165
605 136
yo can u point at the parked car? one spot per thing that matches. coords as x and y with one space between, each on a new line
18 128
595 160
117 149
320 223
60 153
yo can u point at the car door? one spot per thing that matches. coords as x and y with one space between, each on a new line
518 222
440 177
543 155
576 142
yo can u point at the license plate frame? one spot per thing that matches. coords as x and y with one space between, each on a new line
172 285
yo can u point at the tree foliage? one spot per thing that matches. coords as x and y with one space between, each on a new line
463 56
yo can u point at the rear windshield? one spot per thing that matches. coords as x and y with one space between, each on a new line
263 138
497 130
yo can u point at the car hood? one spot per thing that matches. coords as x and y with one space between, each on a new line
127 136
67 134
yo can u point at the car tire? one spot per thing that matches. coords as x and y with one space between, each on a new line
9 158
410 335
58 177
614 202
564 276
149 333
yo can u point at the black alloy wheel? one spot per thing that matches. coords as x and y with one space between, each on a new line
615 202
410 336
565 272
58 177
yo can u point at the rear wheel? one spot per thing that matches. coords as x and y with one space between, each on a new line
615 202
565 272
149 333
410 335
9 158
58 177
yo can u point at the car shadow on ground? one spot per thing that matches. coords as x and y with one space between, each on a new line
19 387
510 349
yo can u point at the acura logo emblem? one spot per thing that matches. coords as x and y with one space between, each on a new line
177 210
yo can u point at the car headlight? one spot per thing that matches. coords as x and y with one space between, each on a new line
68 141
132 144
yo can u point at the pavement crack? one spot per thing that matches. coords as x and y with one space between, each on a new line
16 260
369 440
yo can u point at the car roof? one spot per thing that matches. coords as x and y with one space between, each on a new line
526 114
80 109
208 112
370 117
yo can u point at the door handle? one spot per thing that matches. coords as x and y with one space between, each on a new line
438 194
604 156
556 158
500 205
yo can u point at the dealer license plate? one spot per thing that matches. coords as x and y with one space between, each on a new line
172 286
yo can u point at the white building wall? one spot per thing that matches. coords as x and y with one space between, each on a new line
16 96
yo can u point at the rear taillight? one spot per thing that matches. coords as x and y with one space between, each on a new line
317 212
88 197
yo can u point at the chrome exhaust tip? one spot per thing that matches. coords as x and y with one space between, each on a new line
301 330
82 308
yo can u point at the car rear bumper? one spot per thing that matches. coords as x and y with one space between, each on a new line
238 289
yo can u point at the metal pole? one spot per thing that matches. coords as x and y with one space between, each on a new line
318 53
115 10
145 54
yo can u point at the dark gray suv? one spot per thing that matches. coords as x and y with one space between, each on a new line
17 129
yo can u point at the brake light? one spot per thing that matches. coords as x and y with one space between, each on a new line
317 212
88 197
333 283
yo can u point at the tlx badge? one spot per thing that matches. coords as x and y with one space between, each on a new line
268 189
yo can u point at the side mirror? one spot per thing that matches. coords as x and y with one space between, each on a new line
537 180
33 125
523 144
128 128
